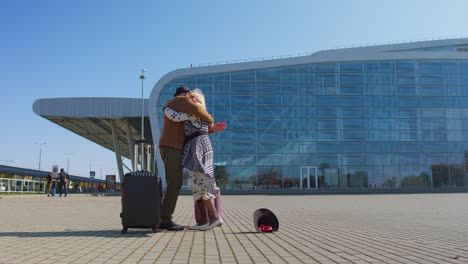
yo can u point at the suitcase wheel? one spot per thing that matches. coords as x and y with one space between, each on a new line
154 229
124 230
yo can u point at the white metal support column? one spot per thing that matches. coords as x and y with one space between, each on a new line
117 149
131 143
129 169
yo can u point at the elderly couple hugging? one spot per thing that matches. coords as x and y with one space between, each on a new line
184 143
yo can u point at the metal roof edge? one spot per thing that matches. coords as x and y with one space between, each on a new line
103 107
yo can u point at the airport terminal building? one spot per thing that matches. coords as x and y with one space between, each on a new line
378 117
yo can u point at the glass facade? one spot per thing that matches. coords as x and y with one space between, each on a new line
371 124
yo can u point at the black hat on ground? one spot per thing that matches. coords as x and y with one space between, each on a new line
182 89
265 217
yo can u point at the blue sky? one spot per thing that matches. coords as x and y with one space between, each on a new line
96 48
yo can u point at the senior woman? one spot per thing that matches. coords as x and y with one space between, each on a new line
197 157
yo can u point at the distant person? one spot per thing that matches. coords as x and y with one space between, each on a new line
64 179
198 159
49 184
171 144
53 188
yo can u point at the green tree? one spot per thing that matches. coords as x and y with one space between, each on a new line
221 176
392 182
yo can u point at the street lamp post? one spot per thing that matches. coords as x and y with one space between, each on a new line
40 151
142 77
68 161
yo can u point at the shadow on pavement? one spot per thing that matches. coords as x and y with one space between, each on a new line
80 233
245 233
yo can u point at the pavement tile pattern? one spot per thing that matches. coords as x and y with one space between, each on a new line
394 228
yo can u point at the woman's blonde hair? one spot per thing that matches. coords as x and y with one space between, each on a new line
198 94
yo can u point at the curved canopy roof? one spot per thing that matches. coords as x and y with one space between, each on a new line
92 118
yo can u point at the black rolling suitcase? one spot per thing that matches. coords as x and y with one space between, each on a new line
141 201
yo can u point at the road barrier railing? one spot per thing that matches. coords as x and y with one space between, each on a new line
9 185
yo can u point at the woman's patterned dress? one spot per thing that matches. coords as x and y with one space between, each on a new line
197 155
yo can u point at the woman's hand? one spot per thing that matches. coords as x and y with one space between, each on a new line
220 126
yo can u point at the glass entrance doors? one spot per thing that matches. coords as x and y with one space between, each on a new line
309 178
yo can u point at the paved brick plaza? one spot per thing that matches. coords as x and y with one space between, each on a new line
399 228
